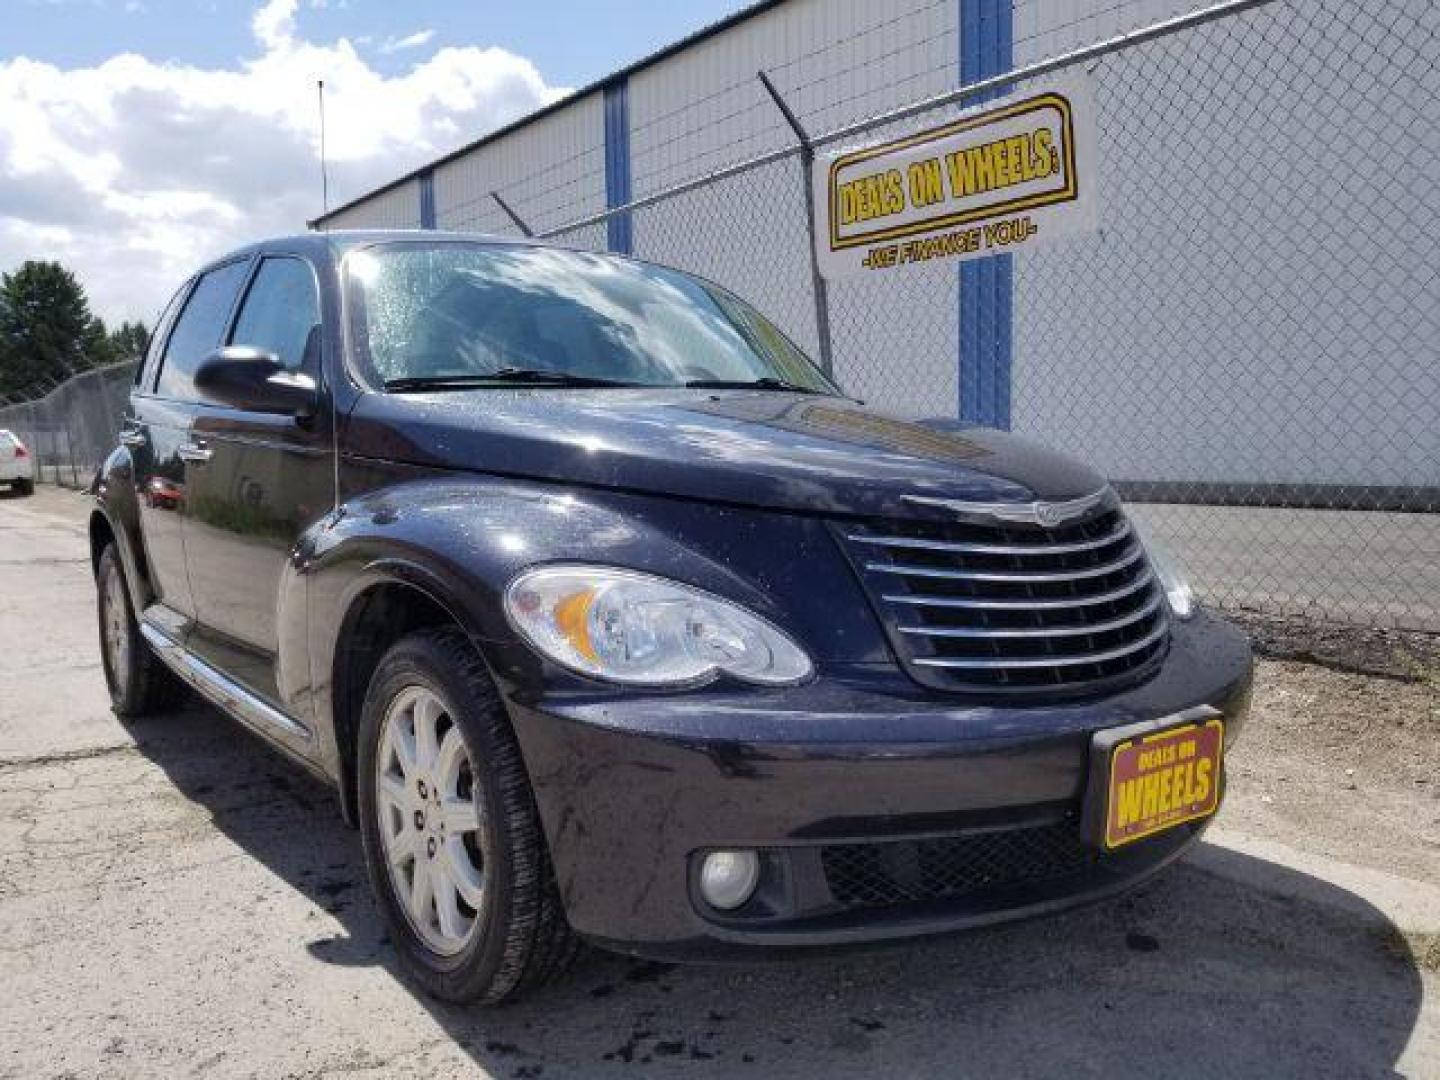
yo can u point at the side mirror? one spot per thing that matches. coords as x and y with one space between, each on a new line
244 377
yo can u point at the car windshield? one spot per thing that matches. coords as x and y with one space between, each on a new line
476 314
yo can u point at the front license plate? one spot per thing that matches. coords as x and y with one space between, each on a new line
1161 778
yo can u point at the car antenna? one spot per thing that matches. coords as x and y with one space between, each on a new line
324 175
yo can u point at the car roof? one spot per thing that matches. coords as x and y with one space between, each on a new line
335 242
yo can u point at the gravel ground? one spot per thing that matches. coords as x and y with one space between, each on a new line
1394 654
177 900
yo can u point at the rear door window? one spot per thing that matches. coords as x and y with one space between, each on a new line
281 314
198 329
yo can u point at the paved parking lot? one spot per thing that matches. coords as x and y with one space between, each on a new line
177 900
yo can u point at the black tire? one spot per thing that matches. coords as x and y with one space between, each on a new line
24 487
139 683
521 940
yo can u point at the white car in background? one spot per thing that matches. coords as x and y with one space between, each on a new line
17 466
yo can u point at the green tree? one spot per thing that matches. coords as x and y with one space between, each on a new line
47 332
129 341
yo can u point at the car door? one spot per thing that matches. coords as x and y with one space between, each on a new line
157 434
258 480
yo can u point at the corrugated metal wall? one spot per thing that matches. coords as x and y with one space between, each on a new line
550 172
1044 28
835 61
397 208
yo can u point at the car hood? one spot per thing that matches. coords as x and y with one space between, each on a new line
772 449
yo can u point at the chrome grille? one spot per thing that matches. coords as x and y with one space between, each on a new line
1010 607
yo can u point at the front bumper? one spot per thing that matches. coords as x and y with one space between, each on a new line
855 788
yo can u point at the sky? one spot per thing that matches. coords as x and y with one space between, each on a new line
139 138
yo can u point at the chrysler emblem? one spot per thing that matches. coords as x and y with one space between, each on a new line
1046 514
1049 513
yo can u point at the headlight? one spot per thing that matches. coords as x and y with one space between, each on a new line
629 627
1173 580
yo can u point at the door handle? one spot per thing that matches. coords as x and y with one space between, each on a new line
196 453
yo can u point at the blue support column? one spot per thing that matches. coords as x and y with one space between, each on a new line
427 199
617 165
986 295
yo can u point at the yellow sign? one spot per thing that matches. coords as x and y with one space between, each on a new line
996 179
1163 780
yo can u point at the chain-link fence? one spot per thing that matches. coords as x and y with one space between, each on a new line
1247 346
71 429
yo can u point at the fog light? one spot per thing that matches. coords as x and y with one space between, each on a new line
728 878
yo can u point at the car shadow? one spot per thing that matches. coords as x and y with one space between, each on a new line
1222 966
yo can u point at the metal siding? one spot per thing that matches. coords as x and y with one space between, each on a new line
1046 28
835 61
551 172
398 208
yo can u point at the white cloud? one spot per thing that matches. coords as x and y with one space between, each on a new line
274 23
133 172
409 41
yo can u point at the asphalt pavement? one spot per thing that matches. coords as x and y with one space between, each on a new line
1361 567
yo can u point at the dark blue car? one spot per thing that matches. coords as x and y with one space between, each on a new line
613 619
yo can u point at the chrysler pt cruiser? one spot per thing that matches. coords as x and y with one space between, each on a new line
612 619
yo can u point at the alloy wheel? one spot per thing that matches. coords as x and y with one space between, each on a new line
431 823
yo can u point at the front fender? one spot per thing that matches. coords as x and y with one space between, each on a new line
113 490
461 540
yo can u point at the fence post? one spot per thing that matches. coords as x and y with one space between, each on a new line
819 285
54 445
516 218
70 448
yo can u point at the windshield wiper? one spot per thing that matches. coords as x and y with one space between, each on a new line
768 382
521 375
547 377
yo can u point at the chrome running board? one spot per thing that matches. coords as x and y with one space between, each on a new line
220 688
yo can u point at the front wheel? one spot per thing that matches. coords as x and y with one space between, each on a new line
24 487
452 837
